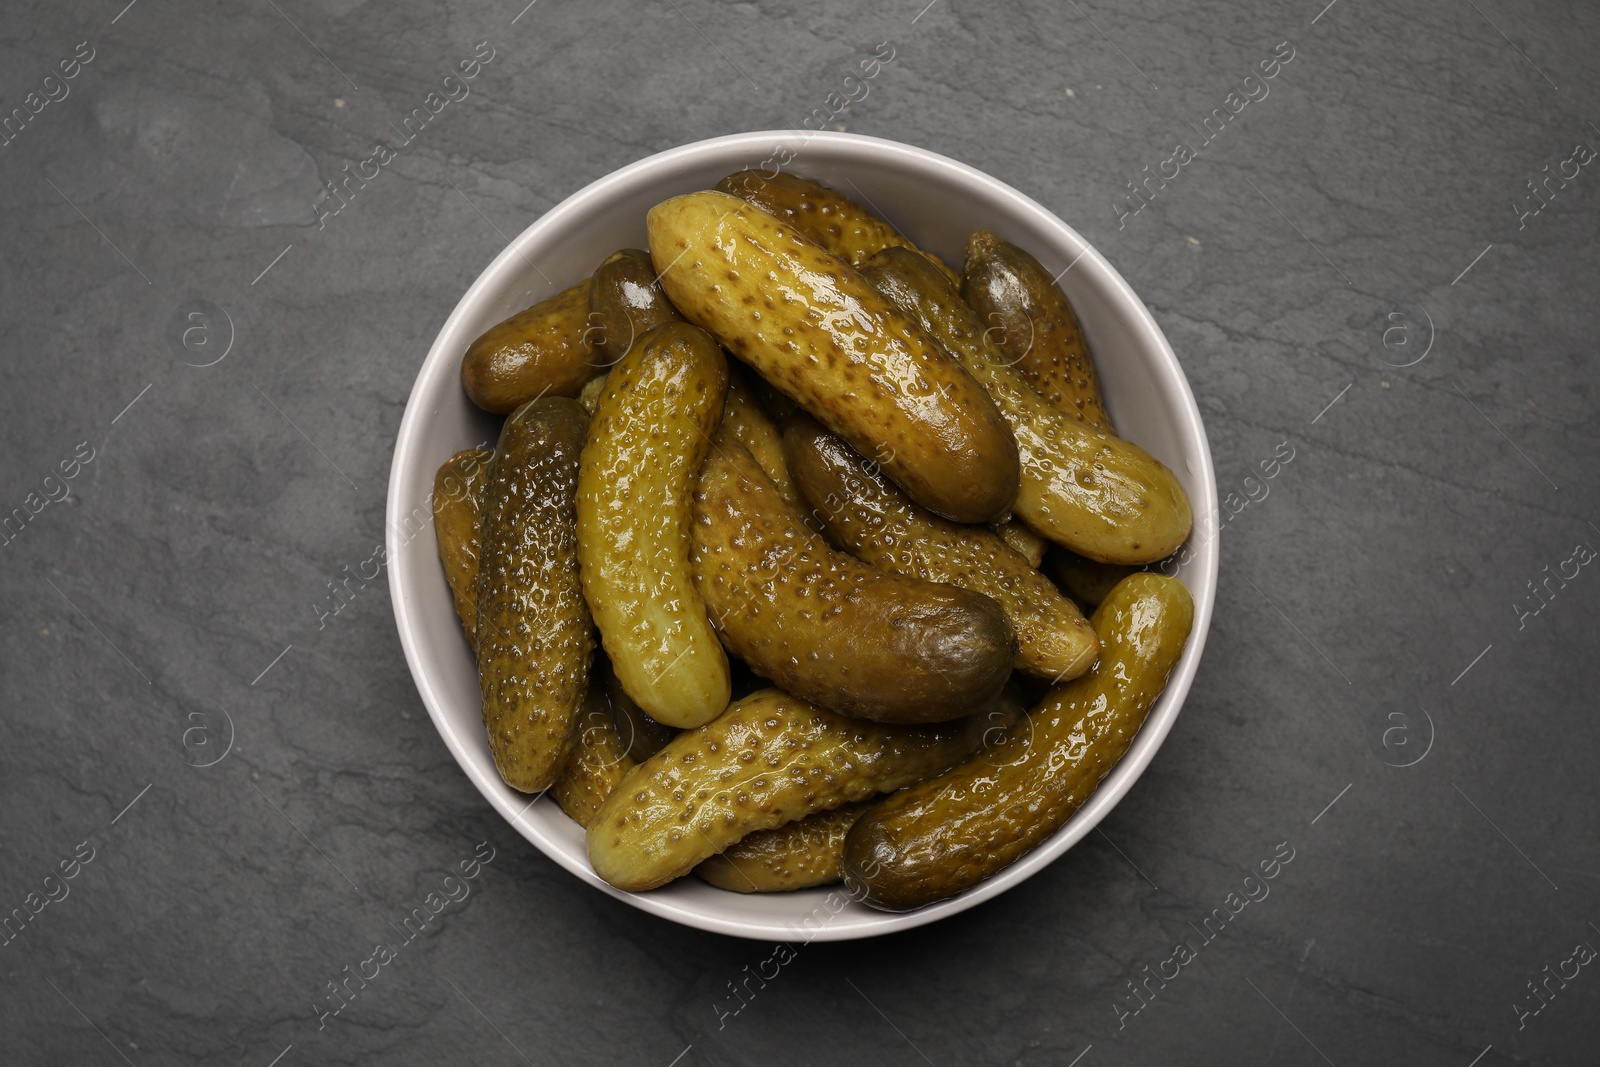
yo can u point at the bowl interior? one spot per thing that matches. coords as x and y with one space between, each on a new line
936 202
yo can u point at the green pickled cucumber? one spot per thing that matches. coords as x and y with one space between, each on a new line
868 516
535 637
826 626
796 855
1095 493
1032 320
750 425
650 431
949 833
1024 541
625 303
457 514
540 351
811 325
642 736
770 759
1084 580
825 215
598 762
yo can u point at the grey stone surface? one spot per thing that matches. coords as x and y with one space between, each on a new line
1368 604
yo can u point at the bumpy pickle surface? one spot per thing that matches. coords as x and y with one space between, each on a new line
1095 493
652 427
796 855
770 759
598 762
814 329
641 734
868 516
535 638
539 351
1023 540
457 514
750 425
826 626
949 833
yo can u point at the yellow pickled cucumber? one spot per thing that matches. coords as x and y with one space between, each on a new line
769 759
813 327
650 431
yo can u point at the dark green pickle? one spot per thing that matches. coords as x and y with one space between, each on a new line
826 626
540 351
625 303
1096 493
1084 580
1033 322
947 834
535 637
457 514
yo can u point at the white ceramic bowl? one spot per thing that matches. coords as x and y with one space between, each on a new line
936 202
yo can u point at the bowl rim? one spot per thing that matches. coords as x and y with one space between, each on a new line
441 360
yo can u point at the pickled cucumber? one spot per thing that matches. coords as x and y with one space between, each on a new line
769 759
535 637
813 327
947 834
826 626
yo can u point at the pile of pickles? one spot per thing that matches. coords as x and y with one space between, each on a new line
834 512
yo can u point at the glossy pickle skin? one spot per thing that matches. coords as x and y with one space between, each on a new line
797 855
535 637
813 327
1038 330
869 517
770 759
457 514
750 425
810 851
1085 580
824 215
598 762
826 626
1101 496
539 351
651 429
625 303
949 833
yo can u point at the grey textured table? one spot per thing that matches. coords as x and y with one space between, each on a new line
1357 267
